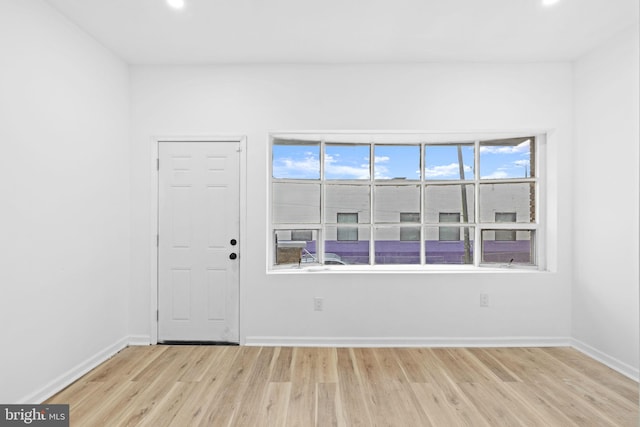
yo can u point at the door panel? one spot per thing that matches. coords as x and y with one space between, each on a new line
198 216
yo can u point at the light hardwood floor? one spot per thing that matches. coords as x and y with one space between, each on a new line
282 386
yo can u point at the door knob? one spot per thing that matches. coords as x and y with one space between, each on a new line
233 255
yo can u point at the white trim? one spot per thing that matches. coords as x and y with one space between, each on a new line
615 364
542 202
153 242
406 269
139 340
417 136
407 341
75 373
153 214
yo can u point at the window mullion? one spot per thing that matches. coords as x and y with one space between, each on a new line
371 203
423 255
477 250
323 188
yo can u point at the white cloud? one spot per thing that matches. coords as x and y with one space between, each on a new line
309 166
344 171
523 147
347 172
521 163
498 174
445 171
381 172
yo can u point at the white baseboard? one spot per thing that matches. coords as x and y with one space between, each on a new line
615 364
139 340
407 342
74 374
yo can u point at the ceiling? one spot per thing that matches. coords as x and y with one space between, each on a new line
349 31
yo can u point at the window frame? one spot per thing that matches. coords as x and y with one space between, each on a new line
372 139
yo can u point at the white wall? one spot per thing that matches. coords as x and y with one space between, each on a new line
64 168
66 209
605 292
253 100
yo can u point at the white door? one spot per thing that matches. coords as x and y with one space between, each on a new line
198 249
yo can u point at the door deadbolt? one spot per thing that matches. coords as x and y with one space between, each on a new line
233 242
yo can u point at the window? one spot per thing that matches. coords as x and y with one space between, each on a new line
449 233
301 235
505 235
410 234
369 199
347 233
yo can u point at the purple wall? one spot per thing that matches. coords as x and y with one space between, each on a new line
437 252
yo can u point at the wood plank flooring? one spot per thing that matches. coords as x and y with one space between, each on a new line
282 386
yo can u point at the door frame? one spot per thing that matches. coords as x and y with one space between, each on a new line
154 210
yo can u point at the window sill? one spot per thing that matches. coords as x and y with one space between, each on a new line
406 269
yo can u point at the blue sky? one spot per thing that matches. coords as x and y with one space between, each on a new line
505 161
399 161
441 162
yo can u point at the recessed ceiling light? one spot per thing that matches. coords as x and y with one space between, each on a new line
549 2
176 4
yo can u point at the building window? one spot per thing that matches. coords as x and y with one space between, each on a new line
410 233
301 235
347 233
369 199
449 234
505 235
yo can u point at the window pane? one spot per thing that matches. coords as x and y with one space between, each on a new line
346 252
397 162
296 160
519 198
296 203
390 249
343 161
459 251
507 158
449 198
347 198
390 200
519 251
443 162
292 251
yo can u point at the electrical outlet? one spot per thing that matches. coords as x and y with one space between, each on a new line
318 304
484 300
